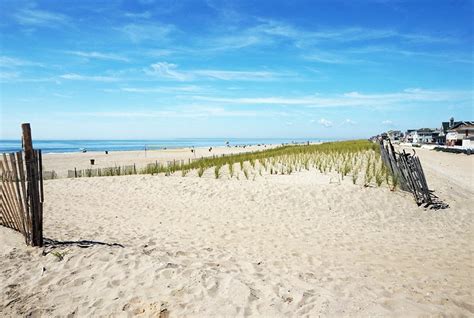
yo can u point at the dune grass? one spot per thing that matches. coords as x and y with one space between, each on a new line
358 159
345 158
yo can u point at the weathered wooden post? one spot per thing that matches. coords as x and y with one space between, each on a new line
35 206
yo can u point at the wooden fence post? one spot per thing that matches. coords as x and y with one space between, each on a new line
33 180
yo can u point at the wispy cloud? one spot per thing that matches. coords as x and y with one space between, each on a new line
324 122
60 95
259 100
78 77
8 75
146 31
10 62
16 77
99 55
177 112
167 70
158 52
233 42
348 122
166 89
170 71
344 34
352 99
316 44
234 75
36 17
390 51
332 58
138 15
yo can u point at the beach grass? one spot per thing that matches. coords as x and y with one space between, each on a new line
346 158
327 157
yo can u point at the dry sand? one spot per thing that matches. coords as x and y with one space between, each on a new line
297 245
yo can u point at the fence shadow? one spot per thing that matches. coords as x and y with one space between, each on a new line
50 243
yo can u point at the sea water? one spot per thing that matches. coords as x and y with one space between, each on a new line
60 146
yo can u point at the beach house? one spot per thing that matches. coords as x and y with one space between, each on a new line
409 135
461 134
394 135
445 126
424 136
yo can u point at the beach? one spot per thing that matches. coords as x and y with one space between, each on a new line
306 244
220 159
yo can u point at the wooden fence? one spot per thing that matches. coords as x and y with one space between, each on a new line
409 172
21 192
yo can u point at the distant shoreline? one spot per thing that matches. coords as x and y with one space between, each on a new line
97 146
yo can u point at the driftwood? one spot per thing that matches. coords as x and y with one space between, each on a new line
409 172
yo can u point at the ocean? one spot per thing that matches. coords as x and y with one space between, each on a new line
61 146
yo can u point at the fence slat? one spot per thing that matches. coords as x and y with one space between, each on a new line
33 186
19 201
10 193
7 210
19 157
6 215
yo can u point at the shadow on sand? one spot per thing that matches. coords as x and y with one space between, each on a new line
51 244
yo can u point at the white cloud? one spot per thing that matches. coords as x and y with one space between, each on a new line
62 95
177 112
9 75
40 17
165 89
146 31
324 122
234 75
138 15
99 55
169 70
77 77
387 122
259 100
450 57
233 42
267 32
352 99
349 122
331 58
16 78
345 34
6 61
158 52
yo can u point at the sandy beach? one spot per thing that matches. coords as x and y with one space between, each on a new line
305 244
236 158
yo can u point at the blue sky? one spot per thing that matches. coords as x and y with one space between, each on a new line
169 69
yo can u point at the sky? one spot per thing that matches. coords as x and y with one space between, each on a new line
189 69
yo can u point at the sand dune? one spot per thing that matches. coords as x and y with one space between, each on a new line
62 162
293 245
